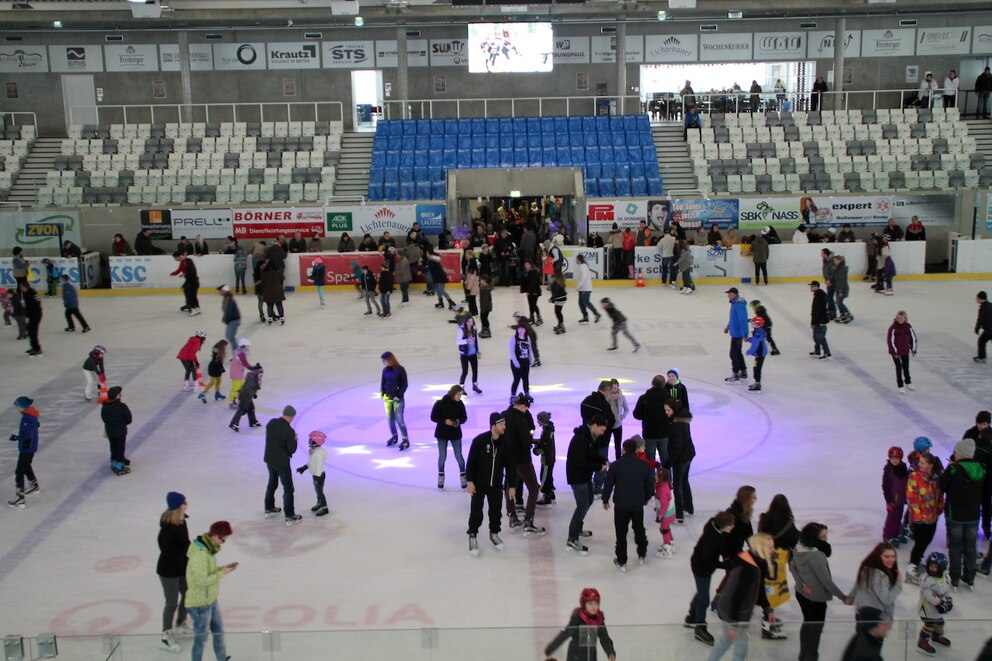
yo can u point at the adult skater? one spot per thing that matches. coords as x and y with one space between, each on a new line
531 286
467 339
519 437
94 372
620 409
631 482
597 403
737 328
520 362
818 320
520 319
486 471
814 587
191 282
705 560
202 586
247 392
869 635
173 543
27 445
583 285
280 445
190 362
439 278
962 483
742 589
449 415
116 417
272 292
827 270
33 314
759 255
983 326
842 290
878 584
70 299
680 454
392 389
619 324
901 342
650 410
582 461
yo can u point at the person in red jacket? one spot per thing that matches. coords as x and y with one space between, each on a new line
901 340
187 356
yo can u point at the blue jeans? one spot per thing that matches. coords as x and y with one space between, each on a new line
585 307
276 475
384 298
983 105
231 334
831 306
318 487
394 413
667 270
841 306
583 501
701 600
723 643
207 618
962 540
442 454
320 293
441 294
820 340
659 444
600 476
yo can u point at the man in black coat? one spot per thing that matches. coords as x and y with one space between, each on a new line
632 484
280 444
143 244
650 410
582 461
486 469
818 320
983 326
519 441
597 403
32 312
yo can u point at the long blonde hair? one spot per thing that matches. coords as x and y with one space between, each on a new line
174 517
758 544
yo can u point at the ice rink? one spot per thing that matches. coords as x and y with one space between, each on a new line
80 559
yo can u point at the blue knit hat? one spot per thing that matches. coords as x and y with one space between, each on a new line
174 500
23 402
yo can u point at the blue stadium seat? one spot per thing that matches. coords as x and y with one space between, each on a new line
422 190
423 127
375 191
621 155
422 142
576 140
533 140
520 158
436 142
421 173
394 143
492 142
563 156
608 170
451 127
533 124
623 170
478 158
519 124
638 186
478 126
478 141
654 186
404 174
377 175
505 126
549 157
592 155
434 157
378 159
409 127
602 125
534 158
406 190
506 157
591 186
464 127
561 139
450 141
464 158
588 124
520 141
575 125
391 191
406 159
621 186
592 170
449 158
437 126
547 139
561 125
390 175
615 123
421 158
493 127
648 155
604 139
437 174
630 123
439 190
637 169
578 155
492 158
589 139
606 187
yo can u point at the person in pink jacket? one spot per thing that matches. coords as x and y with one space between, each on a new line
666 510
187 356
901 340
239 363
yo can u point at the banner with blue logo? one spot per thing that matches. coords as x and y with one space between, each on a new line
693 214
431 218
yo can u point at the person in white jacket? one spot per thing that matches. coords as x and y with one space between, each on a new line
951 83
583 285
928 88
666 246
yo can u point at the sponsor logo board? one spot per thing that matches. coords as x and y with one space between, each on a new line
779 46
603 213
293 55
131 57
671 48
29 59
270 222
416 53
571 50
820 44
725 47
943 41
239 57
887 43
75 59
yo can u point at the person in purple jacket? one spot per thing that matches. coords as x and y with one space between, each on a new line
901 340
894 478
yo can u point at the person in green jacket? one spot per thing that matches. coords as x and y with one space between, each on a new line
202 585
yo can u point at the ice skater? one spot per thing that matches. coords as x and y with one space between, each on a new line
486 471
666 511
761 311
27 445
619 324
901 341
983 325
449 415
392 389
737 329
559 296
318 277
586 627
247 394
280 446
215 370
631 483
318 456
545 449
52 276
191 283
818 321
520 357
894 478
230 314
239 363
116 417
70 299
190 362
94 372
935 602
758 349
368 291
520 319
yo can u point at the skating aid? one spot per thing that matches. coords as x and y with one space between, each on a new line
103 393
198 385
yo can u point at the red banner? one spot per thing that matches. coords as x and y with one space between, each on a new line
339 270
268 223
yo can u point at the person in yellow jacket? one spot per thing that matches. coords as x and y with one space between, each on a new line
202 585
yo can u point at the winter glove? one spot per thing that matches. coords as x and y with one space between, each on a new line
946 605
13 437
301 470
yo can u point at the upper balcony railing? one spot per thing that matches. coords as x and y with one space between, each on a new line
294 111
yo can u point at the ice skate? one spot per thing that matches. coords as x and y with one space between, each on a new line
187 386
404 445
168 644
732 379
32 488
234 427
440 480
323 511
515 524
485 332
18 501
665 552
473 546
769 631
754 387
219 397
293 520
202 397
497 542
530 529
621 567
272 512
392 441
703 635
923 646
574 546
464 480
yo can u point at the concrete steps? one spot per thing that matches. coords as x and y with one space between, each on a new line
34 169
674 163
352 176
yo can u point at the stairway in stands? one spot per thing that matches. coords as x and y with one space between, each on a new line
981 131
674 163
352 176
36 164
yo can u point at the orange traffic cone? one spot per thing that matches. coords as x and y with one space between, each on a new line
640 277
103 394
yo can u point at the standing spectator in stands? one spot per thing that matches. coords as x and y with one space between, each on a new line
367 244
915 230
121 247
759 253
688 95
143 244
951 84
927 89
755 96
643 237
983 86
983 325
297 244
629 242
892 231
819 88
346 243
779 94
70 250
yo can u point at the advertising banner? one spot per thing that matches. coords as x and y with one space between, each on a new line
756 212
348 54
693 214
981 40
603 214
820 44
887 43
708 262
671 48
143 272
14 230
201 57
38 276
386 54
25 59
293 55
571 50
930 209
239 57
449 53
431 218
270 222
943 41
779 46
604 49
75 59
159 221
725 47
339 267
132 57
595 260
875 210
209 223
374 220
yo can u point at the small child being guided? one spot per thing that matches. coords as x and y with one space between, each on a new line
935 602
758 349
666 511
215 370
318 455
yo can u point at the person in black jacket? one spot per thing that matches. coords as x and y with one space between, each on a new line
705 560
983 325
680 454
280 444
619 324
173 542
392 388
531 285
631 482
246 398
818 320
449 414
32 312
962 482
583 459
650 410
598 403
520 319
586 626
741 590
486 471
519 440
869 634
143 244
116 417
742 510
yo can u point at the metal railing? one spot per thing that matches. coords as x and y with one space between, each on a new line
10 117
181 113
511 107
674 106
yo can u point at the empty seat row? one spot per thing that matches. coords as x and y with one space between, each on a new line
203 129
178 194
855 182
509 157
834 117
518 141
515 125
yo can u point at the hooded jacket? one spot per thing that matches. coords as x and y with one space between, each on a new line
737 324
894 483
519 436
116 417
202 574
962 482
809 567
818 311
27 433
630 481
781 527
596 403
711 546
901 339
680 447
448 408
486 466
984 321
583 457
70 299
249 390
924 498
188 352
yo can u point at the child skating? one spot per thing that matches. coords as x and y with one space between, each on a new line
190 362
666 511
559 297
586 627
318 278
758 349
894 478
8 307
27 444
485 304
619 324
70 300
239 363
215 370
318 455
761 311
94 372
51 278
246 399
935 602
116 417
545 449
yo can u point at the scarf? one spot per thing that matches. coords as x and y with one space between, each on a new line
822 546
208 543
592 620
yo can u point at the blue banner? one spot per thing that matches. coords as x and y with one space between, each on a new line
431 218
693 214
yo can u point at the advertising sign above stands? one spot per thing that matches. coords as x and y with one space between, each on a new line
981 39
571 50
431 218
208 223
757 212
693 214
75 59
820 44
131 57
270 222
25 59
779 46
201 57
887 43
725 47
293 55
671 48
602 214
604 49
449 53
239 57
374 220
348 54
943 41
416 53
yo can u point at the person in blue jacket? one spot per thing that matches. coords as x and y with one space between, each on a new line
27 444
737 327
70 299
758 349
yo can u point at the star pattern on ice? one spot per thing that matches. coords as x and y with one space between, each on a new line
402 462
554 387
353 449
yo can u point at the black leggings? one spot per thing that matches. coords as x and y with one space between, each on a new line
190 367
521 373
472 360
902 369
922 536
535 313
558 315
768 338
